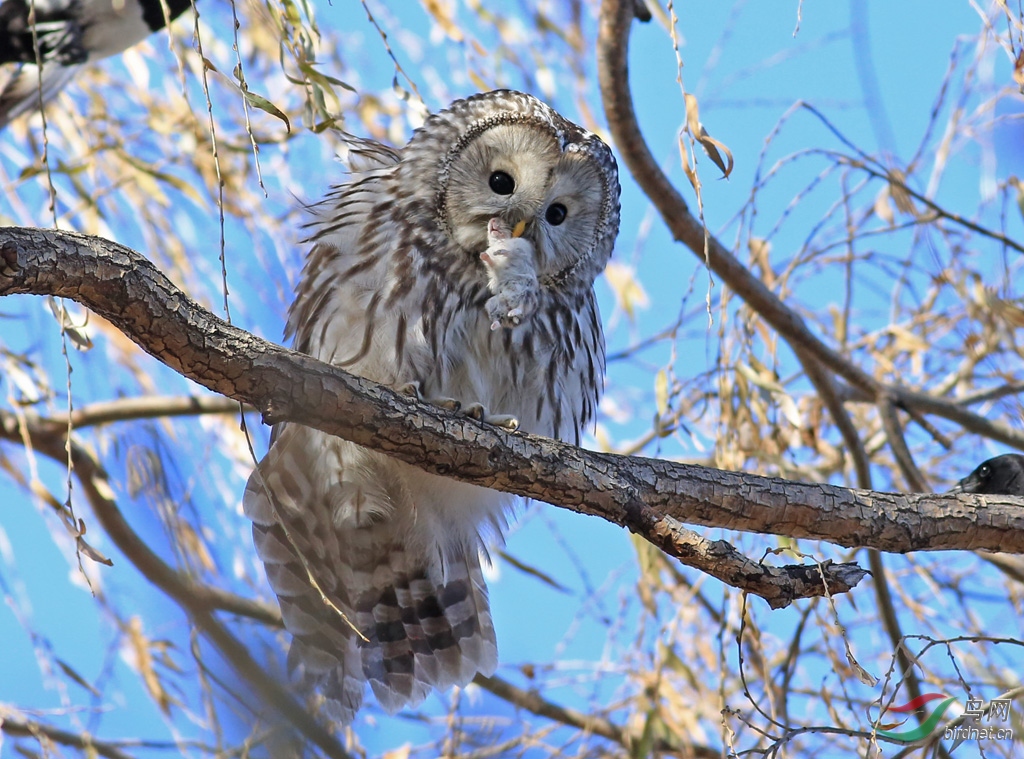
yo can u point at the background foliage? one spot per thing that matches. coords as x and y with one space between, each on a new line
876 147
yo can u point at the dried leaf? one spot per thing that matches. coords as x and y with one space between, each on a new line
711 146
442 14
1019 187
31 391
258 101
478 81
661 392
88 551
77 678
194 546
862 674
647 557
789 409
906 340
714 150
684 158
144 664
760 254
402 752
898 189
76 334
760 375
629 293
883 208
1018 70
1006 310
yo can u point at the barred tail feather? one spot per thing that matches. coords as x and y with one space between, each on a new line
423 622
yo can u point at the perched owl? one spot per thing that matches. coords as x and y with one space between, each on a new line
376 564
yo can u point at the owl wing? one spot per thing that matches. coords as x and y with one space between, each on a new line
582 380
561 361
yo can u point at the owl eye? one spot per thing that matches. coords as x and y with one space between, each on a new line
502 183
556 214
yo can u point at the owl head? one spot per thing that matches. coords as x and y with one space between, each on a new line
506 154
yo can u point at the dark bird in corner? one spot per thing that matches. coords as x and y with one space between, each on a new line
1003 475
64 35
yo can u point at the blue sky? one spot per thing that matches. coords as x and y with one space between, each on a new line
748 65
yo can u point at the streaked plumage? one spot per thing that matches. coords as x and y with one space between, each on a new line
395 289
68 34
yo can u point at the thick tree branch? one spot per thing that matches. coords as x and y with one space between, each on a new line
634 492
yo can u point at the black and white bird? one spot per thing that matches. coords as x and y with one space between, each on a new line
63 35
1003 475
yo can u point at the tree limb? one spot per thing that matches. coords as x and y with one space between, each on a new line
534 703
648 496
613 47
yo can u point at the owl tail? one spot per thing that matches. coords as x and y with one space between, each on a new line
359 606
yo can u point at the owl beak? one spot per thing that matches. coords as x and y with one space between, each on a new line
518 229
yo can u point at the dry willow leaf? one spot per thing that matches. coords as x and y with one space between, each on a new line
711 146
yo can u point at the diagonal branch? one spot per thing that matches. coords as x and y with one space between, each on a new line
613 48
43 734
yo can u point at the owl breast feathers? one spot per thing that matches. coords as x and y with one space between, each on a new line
462 265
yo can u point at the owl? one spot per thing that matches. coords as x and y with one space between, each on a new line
459 268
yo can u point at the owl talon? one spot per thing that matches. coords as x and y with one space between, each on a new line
410 388
479 412
413 389
505 421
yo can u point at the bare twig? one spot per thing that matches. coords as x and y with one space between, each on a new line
198 601
535 704
613 44
42 732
